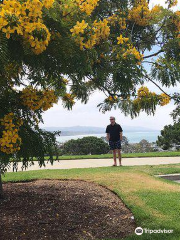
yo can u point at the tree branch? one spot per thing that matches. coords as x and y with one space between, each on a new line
157 85
154 54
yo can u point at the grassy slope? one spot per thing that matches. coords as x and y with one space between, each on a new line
154 202
125 155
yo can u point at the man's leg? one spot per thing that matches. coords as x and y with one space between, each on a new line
114 156
119 156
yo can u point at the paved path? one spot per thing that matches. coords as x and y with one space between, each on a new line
88 163
173 177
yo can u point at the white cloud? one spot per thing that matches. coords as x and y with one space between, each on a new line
89 115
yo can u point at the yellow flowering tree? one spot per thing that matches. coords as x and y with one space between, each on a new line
63 50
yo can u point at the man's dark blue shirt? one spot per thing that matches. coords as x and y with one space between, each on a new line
114 131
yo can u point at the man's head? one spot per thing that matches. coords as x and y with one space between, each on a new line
112 120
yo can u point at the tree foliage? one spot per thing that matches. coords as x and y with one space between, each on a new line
170 136
53 50
85 146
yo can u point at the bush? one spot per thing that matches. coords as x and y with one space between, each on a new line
170 136
85 146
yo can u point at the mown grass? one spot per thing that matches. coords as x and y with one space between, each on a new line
154 201
125 155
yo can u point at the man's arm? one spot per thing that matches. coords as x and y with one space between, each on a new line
107 136
107 133
120 133
121 136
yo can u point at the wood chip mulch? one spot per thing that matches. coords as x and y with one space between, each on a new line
63 210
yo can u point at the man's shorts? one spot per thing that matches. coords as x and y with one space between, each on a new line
115 145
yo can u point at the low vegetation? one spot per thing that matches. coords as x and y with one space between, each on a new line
170 136
85 145
154 202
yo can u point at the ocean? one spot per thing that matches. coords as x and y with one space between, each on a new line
133 137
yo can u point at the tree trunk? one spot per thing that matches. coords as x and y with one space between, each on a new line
1 188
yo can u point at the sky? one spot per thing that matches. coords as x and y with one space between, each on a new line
89 115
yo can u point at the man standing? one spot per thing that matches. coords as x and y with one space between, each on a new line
114 136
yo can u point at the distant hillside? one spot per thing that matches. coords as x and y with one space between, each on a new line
81 130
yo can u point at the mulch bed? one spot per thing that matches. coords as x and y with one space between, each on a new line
64 210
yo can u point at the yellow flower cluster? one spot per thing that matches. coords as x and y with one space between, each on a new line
128 49
143 91
48 99
122 23
25 19
72 7
79 28
134 52
99 30
10 12
69 98
10 141
141 14
112 19
116 19
47 3
164 99
38 36
122 39
37 99
87 6
111 99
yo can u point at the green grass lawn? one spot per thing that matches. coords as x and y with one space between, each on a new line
154 202
125 155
